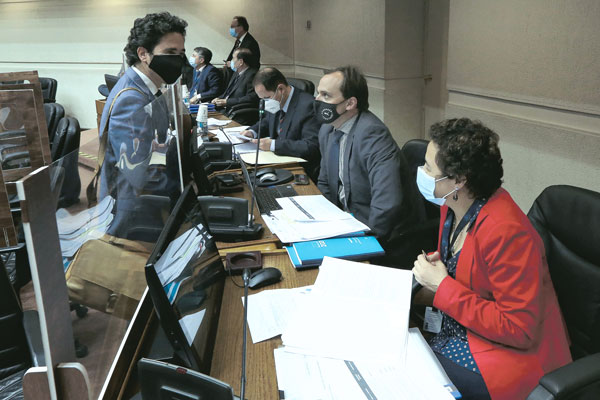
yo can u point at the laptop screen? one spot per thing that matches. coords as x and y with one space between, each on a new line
185 277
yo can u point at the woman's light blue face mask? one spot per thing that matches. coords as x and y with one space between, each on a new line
426 184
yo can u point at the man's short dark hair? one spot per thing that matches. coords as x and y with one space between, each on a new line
246 56
204 53
148 31
354 84
270 78
243 22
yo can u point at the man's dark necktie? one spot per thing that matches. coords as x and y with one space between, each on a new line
231 86
333 163
158 93
237 44
281 119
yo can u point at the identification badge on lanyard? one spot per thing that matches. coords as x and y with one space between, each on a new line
433 320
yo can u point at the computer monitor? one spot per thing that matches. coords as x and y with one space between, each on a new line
185 278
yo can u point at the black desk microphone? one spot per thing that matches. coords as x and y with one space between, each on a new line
261 111
246 273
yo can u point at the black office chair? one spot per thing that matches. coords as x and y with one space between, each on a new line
49 86
19 331
302 84
566 218
54 113
244 113
64 148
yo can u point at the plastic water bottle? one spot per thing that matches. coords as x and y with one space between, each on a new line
202 121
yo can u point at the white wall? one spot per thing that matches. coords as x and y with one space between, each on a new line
77 42
529 69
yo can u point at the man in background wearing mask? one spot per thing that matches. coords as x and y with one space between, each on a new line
156 54
289 126
240 89
362 168
243 40
207 81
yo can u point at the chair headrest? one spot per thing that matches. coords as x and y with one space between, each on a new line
566 219
103 89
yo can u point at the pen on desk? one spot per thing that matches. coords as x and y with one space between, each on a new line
425 255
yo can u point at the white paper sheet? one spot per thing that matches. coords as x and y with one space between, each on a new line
270 310
312 208
355 312
291 231
266 157
302 377
217 122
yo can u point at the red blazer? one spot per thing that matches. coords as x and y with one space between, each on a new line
503 295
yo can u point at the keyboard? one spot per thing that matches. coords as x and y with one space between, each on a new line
265 197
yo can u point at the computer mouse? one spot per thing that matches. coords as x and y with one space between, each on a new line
268 177
264 277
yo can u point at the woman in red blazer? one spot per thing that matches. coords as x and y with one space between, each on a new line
502 329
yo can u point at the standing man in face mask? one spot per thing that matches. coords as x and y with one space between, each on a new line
243 40
362 168
289 126
156 54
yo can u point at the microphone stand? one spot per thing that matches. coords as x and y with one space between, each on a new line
261 111
246 276
246 273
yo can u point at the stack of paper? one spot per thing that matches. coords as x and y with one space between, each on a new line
349 339
75 230
304 218
230 135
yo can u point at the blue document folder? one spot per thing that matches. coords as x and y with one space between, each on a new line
349 248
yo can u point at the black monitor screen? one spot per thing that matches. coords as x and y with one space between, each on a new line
185 279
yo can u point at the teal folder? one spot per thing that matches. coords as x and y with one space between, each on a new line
349 248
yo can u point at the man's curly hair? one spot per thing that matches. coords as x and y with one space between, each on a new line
468 149
148 31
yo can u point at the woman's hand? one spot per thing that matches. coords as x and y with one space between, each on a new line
430 273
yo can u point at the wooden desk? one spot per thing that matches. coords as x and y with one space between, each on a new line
226 364
227 357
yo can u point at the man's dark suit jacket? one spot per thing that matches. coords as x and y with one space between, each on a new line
299 135
208 83
377 184
240 89
251 44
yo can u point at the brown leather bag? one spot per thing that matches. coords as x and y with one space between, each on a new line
107 274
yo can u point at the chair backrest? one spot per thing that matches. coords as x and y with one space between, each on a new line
566 218
54 112
73 136
302 84
110 80
49 86
58 142
414 152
